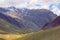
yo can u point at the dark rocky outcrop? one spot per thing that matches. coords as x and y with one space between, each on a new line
54 23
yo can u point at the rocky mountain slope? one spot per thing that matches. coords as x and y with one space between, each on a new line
54 23
27 19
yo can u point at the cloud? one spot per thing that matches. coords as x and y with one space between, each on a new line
55 10
31 3
7 3
53 5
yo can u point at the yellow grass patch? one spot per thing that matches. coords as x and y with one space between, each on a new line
11 36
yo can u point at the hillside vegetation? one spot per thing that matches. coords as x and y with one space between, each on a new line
49 34
6 27
9 31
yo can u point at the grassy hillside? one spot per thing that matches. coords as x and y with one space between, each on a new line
49 34
6 27
9 31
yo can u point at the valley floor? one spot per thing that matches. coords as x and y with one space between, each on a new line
49 34
10 36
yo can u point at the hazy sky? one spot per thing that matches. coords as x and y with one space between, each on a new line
27 3
53 5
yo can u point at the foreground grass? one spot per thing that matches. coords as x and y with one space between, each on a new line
49 34
10 36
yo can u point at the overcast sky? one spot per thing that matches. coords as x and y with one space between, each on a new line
27 3
33 4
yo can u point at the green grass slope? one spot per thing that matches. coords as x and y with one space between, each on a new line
6 27
49 34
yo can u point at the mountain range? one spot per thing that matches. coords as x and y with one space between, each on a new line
26 19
